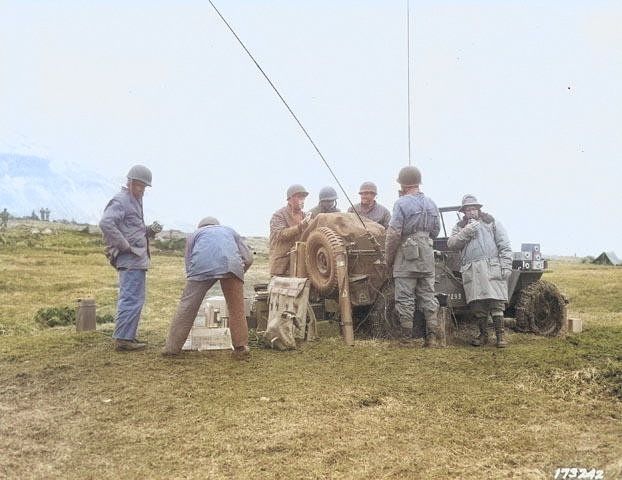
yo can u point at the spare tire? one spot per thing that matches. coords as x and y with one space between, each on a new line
323 247
541 309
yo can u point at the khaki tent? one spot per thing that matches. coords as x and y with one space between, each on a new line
607 258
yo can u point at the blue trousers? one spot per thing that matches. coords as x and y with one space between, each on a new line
132 290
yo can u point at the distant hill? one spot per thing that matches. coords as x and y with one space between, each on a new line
29 183
258 244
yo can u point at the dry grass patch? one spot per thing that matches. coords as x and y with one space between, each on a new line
72 408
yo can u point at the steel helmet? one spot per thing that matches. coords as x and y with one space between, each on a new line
409 176
368 187
294 189
470 201
328 193
140 173
208 221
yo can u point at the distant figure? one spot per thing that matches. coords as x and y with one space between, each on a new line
127 248
410 256
4 218
33 216
42 212
214 253
286 227
486 267
47 214
369 208
327 202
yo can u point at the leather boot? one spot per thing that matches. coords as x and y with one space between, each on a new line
482 339
433 337
500 331
430 340
405 335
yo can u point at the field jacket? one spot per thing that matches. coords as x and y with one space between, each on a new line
376 213
414 225
123 228
484 258
315 211
214 251
285 231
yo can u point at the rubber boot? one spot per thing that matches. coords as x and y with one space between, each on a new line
482 339
500 331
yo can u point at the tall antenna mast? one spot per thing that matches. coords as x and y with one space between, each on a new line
408 75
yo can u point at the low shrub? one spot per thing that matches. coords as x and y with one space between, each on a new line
55 316
61 316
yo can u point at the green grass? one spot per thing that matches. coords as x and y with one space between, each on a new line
72 408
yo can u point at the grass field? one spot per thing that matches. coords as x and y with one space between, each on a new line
73 408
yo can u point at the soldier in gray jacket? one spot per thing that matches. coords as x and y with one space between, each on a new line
369 208
127 248
486 255
410 256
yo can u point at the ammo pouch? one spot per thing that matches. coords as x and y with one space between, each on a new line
417 251
410 249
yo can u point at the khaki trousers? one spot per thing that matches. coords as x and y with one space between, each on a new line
190 302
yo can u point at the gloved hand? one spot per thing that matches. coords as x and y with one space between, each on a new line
470 230
505 273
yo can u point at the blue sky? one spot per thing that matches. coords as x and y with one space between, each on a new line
517 102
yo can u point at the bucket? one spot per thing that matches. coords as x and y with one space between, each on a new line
86 318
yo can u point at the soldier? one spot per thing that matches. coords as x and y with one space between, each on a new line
369 208
214 253
327 202
486 255
410 256
127 248
286 227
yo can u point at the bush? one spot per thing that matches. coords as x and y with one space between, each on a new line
60 316
55 316
104 318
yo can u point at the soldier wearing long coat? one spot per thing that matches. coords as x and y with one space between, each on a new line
486 255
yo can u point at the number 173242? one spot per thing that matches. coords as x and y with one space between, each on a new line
578 473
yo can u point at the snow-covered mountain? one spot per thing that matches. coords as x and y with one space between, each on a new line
30 183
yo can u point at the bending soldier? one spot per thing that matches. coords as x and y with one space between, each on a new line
214 253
